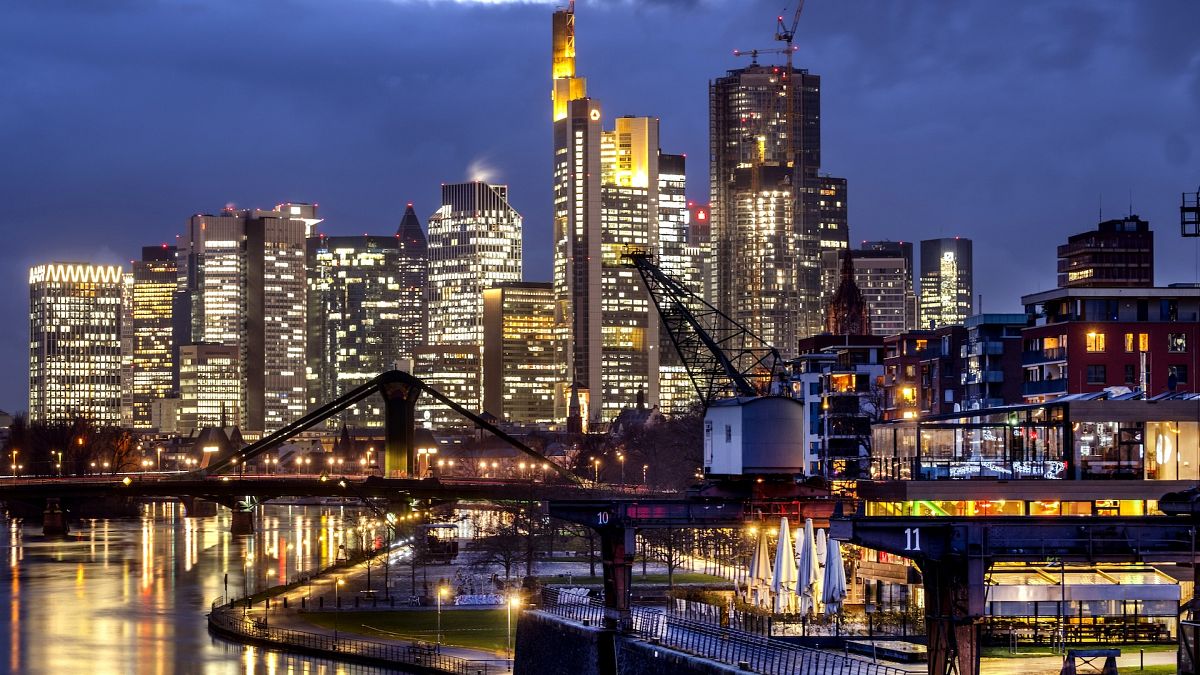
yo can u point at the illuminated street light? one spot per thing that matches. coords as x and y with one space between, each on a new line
513 601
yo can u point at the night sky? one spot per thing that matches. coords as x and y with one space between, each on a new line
1012 123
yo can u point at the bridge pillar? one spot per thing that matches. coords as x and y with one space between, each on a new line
242 521
616 557
195 507
54 519
400 418
954 606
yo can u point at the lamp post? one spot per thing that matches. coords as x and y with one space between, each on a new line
621 459
441 593
337 608
513 601
595 471
645 468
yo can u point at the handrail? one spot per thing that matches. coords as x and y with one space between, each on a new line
224 619
726 645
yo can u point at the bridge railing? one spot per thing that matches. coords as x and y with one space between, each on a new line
759 654
227 619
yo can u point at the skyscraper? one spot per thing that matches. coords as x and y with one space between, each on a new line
772 212
474 243
946 282
884 273
1118 253
75 343
150 371
361 318
413 277
518 352
210 386
242 282
606 201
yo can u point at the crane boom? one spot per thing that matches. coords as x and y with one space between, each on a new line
723 358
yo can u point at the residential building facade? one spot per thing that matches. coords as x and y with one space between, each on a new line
1089 339
1118 253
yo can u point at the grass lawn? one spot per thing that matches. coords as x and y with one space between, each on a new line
475 628
1031 651
638 579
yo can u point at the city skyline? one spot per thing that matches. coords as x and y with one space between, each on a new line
935 200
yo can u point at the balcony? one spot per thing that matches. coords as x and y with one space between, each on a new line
1044 356
989 376
1043 387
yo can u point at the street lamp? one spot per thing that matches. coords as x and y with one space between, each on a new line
621 459
595 471
645 468
337 608
158 451
441 593
513 601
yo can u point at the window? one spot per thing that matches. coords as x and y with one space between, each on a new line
1130 374
1181 372
1137 342
728 434
1168 310
1097 375
1177 342
1095 342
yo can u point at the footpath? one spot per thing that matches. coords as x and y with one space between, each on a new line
277 618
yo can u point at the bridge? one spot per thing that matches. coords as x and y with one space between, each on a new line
952 553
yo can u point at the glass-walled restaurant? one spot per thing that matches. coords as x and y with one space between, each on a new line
1072 440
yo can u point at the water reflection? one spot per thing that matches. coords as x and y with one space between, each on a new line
129 596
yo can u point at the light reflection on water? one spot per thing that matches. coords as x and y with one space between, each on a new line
130 596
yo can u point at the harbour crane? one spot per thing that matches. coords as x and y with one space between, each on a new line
723 358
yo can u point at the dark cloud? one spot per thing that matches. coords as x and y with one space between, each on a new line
1006 122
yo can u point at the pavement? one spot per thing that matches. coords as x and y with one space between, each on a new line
354 584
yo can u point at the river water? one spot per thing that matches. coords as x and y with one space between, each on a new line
130 595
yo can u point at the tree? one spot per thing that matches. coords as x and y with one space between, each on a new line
670 546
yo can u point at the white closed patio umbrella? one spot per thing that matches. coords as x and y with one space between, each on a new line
783 582
758 577
822 547
806 569
834 588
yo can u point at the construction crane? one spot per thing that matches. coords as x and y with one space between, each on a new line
1189 214
723 358
786 34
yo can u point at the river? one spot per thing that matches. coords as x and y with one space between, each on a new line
130 595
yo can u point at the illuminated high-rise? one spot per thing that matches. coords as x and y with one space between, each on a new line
946 282
242 282
75 343
474 244
606 202
518 352
772 212
210 386
150 350
361 319
413 277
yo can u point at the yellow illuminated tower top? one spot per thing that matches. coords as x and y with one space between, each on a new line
567 87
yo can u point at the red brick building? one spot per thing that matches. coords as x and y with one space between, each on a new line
1087 339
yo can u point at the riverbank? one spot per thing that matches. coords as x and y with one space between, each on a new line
278 618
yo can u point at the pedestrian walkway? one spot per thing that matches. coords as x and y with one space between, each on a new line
349 586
